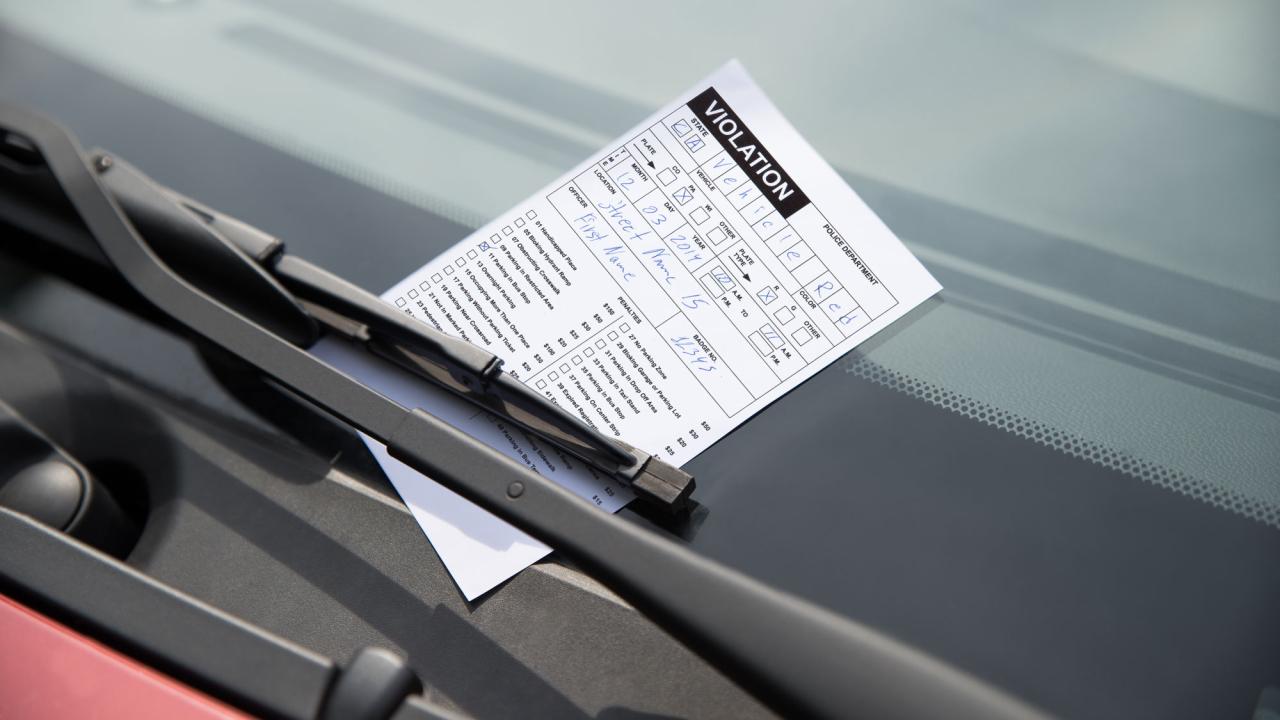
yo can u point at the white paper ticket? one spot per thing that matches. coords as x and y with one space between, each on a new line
664 291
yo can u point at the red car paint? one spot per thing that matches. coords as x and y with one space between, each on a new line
50 671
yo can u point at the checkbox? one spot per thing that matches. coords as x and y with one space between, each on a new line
436 278
801 336
519 222
723 280
401 302
495 238
613 336
448 269
600 344
767 295
553 376
507 230
413 293
542 384
666 177
699 216
624 327
712 286
577 360
715 235
588 352
531 214
461 262
472 254
771 335
784 316
564 367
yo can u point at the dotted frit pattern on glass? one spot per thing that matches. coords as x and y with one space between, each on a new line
1064 442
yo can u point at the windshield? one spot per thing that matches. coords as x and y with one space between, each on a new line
1098 202
1094 184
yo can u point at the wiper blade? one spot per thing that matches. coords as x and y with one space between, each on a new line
476 375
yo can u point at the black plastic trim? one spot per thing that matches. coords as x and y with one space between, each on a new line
174 633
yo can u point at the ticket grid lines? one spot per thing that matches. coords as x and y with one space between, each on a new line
714 255
718 168
794 277
668 191
728 411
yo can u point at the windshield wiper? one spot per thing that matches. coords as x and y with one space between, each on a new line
797 658
288 296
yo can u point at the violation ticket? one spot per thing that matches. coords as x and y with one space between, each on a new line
664 291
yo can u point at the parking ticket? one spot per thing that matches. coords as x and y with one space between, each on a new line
664 291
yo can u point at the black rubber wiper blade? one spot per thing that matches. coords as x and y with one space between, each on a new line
476 375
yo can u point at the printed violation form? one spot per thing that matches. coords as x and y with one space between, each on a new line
664 291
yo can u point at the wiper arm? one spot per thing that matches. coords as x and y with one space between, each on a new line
252 272
797 658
